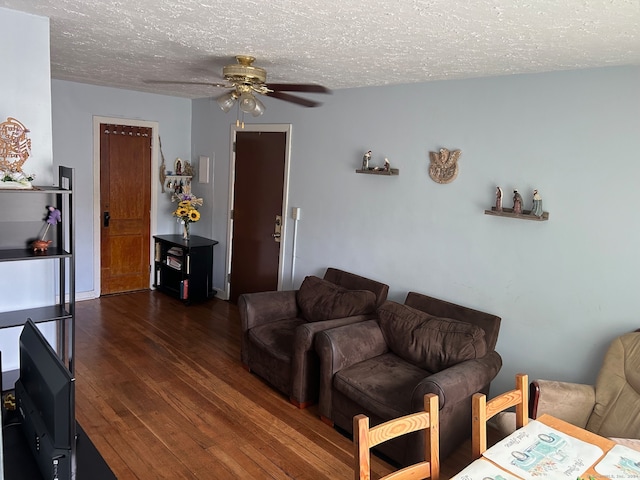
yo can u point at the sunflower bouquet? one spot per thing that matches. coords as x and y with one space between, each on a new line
187 209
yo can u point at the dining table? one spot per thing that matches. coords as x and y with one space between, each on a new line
550 448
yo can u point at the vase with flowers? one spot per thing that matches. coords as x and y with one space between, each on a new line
186 211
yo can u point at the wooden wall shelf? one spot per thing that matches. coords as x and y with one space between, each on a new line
178 178
525 215
392 171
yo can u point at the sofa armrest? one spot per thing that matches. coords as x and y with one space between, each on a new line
571 402
264 307
458 383
303 347
305 334
261 308
341 347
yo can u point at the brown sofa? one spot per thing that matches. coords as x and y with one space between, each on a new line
278 328
382 368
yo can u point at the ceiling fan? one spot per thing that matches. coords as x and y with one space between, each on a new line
244 80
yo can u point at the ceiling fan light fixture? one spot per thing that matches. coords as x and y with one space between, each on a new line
227 101
259 108
247 103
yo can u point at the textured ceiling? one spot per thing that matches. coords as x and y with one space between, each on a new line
336 43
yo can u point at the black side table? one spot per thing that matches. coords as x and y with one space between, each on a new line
184 268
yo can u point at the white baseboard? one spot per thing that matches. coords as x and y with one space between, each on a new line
221 294
90 295
80 296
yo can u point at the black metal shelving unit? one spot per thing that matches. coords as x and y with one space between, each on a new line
60 251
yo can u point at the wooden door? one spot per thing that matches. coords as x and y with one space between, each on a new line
257 200
125 199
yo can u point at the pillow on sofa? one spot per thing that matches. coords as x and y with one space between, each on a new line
320 300
429 342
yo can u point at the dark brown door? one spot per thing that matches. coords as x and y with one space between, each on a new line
258 193
125 199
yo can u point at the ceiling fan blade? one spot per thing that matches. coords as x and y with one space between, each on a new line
180 82
298 87
294 99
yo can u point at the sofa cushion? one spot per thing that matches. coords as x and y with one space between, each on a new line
320 300
381 385
429 342
276 338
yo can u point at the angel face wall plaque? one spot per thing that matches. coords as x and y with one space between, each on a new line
444 165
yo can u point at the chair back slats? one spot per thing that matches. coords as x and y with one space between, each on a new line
513 398
400 426
365 438
483 410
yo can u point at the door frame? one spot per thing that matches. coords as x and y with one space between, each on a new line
266 127
97 216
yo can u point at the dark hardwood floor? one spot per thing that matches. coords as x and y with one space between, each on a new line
161 392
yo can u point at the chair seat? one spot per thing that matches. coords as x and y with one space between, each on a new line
381 384
276 338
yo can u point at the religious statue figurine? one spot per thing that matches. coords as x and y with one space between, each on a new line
537 204
387 165
365 160
498 199
187 169
517 203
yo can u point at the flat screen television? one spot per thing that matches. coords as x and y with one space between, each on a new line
45 395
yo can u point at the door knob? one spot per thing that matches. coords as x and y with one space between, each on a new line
105 219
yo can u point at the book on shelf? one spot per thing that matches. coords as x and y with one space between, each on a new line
184 289
174 262
176 251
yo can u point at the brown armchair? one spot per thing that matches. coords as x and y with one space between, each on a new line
611 407
278 328
383 368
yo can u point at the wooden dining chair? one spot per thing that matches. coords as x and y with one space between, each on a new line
483 410
365 438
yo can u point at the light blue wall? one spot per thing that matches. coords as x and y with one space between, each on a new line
26 96
26 85
564 288
73 106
